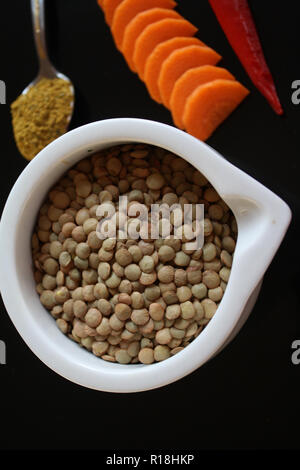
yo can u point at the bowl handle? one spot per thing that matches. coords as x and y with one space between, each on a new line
262 223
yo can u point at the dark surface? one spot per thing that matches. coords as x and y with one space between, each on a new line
248 396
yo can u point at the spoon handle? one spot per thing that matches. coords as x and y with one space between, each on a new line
38 21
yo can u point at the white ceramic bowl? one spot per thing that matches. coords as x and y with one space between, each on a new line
262 222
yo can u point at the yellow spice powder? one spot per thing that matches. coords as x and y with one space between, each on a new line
41 115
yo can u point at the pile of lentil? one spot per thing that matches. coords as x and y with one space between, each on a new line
130 300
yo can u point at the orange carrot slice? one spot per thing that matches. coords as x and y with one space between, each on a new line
210 104
179 62
109 8
188 82
128 9
156 59
100 3
156 33
138 24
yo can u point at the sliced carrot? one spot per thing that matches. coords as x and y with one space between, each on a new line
100 3
179 62
188 82
158 56
210 104
155 34
138 24
128 9
109 8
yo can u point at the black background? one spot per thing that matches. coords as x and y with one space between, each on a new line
248 396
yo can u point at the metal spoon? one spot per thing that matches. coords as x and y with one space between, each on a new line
46 68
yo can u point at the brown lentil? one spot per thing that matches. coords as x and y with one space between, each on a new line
131 300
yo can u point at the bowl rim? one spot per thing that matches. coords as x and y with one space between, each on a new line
254 207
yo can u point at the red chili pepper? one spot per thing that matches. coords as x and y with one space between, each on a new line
237 23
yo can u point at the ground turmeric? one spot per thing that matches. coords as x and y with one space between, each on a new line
41 115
